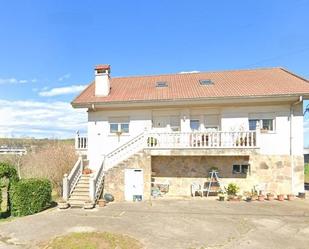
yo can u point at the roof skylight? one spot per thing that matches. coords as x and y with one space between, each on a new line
161 84
206 82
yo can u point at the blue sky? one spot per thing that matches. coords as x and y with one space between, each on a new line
48 49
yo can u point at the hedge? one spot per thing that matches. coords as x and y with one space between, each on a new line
29 196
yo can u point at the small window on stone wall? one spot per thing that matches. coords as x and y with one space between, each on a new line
240 168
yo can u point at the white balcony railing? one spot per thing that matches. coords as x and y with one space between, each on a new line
193 140
81 142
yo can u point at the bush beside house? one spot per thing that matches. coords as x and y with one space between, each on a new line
30 196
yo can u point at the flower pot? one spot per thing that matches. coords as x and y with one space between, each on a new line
261 197
280 197
254 197
291 197
87 171
101 203
302 195
221 198
270 197
248 198
88 205
63 205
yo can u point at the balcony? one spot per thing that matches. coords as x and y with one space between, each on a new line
195 142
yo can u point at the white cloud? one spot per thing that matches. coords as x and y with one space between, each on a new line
186 72
62 90
40 119
15 81
64 77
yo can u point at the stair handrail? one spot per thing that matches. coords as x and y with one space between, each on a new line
96 180
126 150
69 181
96 183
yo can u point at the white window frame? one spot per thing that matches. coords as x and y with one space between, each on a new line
119 127
241 165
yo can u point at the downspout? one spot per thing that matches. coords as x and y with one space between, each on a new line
291 140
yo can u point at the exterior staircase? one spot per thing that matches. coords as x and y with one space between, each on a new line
80 193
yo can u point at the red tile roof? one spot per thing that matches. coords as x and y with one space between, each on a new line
238 83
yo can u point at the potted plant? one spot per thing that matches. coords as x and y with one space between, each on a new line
101 203
221 195
232 190
248 196
62 204
291 197
270 196
254 195
88 205
87 171
261 197
280 197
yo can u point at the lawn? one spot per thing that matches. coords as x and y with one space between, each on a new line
103 240
307 172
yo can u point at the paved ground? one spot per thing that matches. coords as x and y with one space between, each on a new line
171 224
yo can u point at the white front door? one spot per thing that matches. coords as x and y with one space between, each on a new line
134 183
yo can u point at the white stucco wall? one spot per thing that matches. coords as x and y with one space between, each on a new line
231 118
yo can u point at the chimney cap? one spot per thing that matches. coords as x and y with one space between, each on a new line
102 67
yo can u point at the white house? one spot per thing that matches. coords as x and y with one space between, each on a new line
170 130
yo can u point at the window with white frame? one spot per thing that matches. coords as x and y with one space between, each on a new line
240 168
265 121
119 125
195 124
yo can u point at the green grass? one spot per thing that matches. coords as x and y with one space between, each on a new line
103 240
307 172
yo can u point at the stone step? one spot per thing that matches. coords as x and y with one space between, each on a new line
80 194
82 189
79 198
83 181
75 203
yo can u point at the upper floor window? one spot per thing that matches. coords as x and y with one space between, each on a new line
264 124
194 124
119 125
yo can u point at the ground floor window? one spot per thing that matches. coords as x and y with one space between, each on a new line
240 168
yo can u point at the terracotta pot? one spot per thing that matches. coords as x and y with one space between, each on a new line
87 171
254 197
261 197
280 197
63 205
291 197
101 203
270 197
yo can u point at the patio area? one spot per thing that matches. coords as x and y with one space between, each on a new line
194 223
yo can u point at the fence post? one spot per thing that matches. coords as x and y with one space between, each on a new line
65 187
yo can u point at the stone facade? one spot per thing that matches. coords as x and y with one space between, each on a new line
273 172
114 178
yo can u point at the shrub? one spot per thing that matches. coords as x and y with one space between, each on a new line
51 162
232 189
29 196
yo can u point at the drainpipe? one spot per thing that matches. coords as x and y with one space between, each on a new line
291 139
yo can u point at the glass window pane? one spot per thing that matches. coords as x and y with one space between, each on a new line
244 169
124 128
252 124
236 169
113 128
194 125
267 124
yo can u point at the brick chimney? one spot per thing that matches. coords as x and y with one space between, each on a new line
102 80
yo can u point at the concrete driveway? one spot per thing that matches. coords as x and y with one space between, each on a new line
197 223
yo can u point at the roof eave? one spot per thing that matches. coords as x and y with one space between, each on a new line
222 100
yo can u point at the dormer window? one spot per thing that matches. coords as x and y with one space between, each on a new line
206 82
161 84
